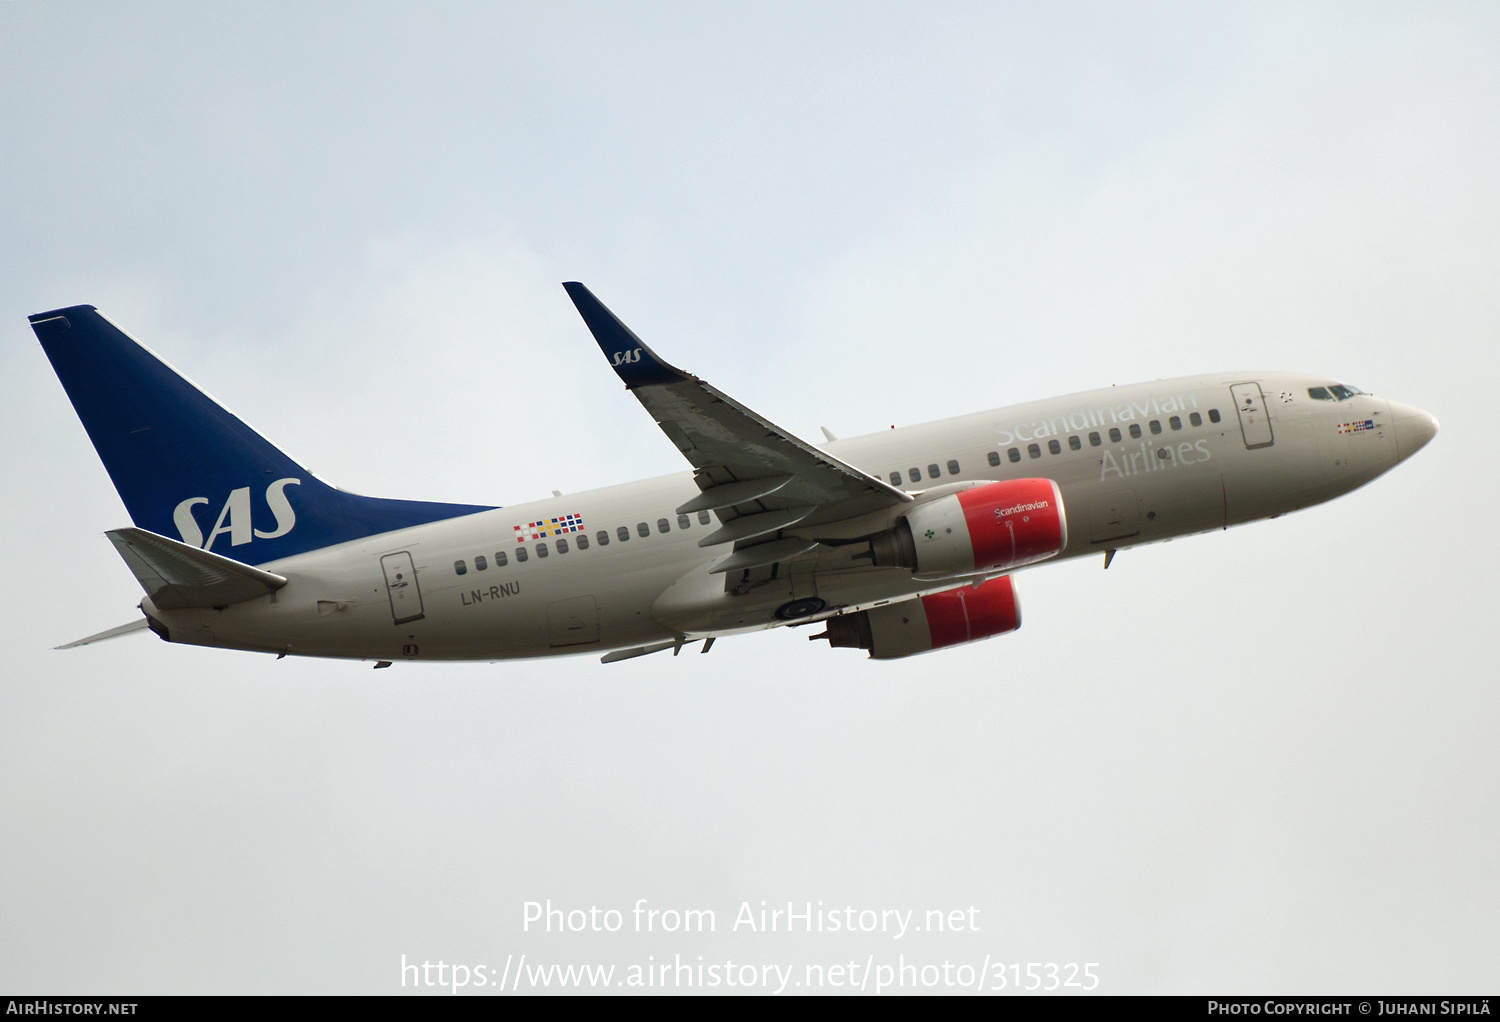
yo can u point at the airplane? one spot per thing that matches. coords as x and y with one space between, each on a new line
897 543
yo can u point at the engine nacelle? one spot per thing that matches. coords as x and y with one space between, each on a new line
929 622
994 527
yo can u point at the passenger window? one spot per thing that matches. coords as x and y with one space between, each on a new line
583 541
643 530
1213 415
683 521
703 518
1094 440
480 563
1174 422
602 537
520 555
994 459
1014 454
500 559
1195 419
1114 434
1074 443
933 472
541 549
895 478
663 526
914 474
1033 450
623 533
1054 446
953 468
1135 431
460 568
562 545
1155 427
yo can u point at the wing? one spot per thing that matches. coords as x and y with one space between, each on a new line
756 476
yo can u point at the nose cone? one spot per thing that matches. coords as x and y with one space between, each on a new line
1414 428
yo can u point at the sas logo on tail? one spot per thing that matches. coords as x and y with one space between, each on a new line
234 517
626 357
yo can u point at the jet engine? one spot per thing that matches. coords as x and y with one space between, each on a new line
994 527
931 622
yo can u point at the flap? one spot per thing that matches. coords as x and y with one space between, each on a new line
177 576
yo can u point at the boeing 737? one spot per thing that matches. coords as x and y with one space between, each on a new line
898 543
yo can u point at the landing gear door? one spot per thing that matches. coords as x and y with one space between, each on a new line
401 587
1255 422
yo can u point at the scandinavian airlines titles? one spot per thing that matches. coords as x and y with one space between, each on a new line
1093 418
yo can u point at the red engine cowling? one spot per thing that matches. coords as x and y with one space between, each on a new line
994 527
931 622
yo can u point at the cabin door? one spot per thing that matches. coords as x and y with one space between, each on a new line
1255 422
401 587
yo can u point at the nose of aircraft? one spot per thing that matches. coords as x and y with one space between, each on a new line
1414 428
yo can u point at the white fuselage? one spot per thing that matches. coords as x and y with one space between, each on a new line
1183 473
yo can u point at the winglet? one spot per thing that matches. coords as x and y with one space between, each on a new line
636 364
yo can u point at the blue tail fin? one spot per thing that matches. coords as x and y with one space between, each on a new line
188 468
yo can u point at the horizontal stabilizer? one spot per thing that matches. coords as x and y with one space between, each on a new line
138 625
177 576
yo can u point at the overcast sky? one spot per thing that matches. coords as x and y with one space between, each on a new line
1255 761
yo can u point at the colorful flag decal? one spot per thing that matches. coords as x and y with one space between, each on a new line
1357 427
549 527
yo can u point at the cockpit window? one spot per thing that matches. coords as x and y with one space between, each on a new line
1344 393
1319 394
